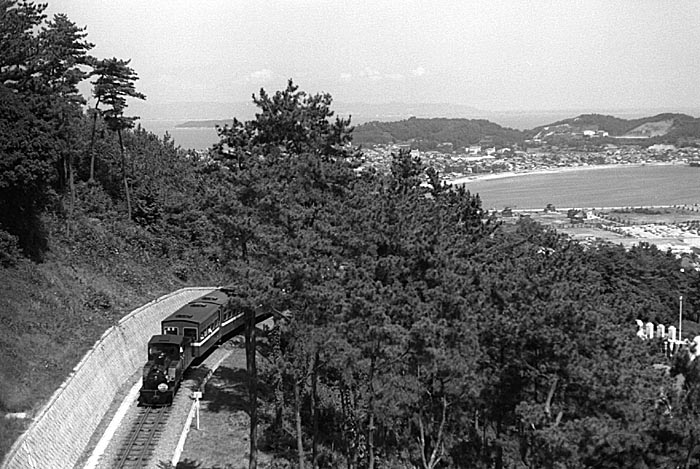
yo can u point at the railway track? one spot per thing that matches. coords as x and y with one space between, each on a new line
143 437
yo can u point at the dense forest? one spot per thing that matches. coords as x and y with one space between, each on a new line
428 134
413 329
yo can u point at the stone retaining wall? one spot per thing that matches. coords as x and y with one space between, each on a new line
64 426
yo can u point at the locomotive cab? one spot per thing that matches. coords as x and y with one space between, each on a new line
163 352
168 357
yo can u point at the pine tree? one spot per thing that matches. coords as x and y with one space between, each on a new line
114 83
61 61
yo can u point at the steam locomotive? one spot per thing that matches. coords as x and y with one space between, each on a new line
186 335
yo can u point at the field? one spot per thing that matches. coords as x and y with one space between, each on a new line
677 228
651 129
654 215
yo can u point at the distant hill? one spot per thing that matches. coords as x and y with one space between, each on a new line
427 134
203 124
391 112
666 127
464 125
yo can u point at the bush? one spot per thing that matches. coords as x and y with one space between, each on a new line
10 251
94 201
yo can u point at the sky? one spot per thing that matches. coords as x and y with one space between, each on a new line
499 55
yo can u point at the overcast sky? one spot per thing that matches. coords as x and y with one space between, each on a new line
491 54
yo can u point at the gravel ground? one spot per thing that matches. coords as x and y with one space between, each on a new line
168 440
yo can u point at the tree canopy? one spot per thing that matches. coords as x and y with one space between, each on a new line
424 332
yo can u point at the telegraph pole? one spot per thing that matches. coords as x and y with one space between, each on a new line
680 317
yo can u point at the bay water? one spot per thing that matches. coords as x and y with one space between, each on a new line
189 138
616 186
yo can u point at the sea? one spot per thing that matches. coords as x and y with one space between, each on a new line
617 186
189 138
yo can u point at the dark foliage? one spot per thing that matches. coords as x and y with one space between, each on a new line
428 134
26 172
421 332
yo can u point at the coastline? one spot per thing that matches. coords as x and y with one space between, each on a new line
558 170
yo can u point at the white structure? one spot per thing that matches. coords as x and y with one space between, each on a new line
649 330
661 331
670 337
672 333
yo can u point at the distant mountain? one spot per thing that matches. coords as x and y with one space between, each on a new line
428 134
360 112
205 124
666 126
383 112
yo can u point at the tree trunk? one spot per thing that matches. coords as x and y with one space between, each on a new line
314 409
92 143
498 457
279 392
370 429
347 422
71 181
124 178
297 411
252 387
71 188
437 452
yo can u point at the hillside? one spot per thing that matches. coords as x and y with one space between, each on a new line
427 134
53 312
663 127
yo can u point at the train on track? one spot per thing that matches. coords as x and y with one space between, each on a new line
186 335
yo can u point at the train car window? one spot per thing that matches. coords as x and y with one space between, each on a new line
170 330
190 332
159 351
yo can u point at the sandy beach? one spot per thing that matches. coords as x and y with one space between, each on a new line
558 170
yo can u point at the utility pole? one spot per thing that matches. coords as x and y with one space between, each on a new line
680 317
250 351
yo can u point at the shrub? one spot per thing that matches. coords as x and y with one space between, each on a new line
10 251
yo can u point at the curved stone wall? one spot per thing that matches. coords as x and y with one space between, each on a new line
62 429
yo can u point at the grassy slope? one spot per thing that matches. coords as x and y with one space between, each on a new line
618 126
52 313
